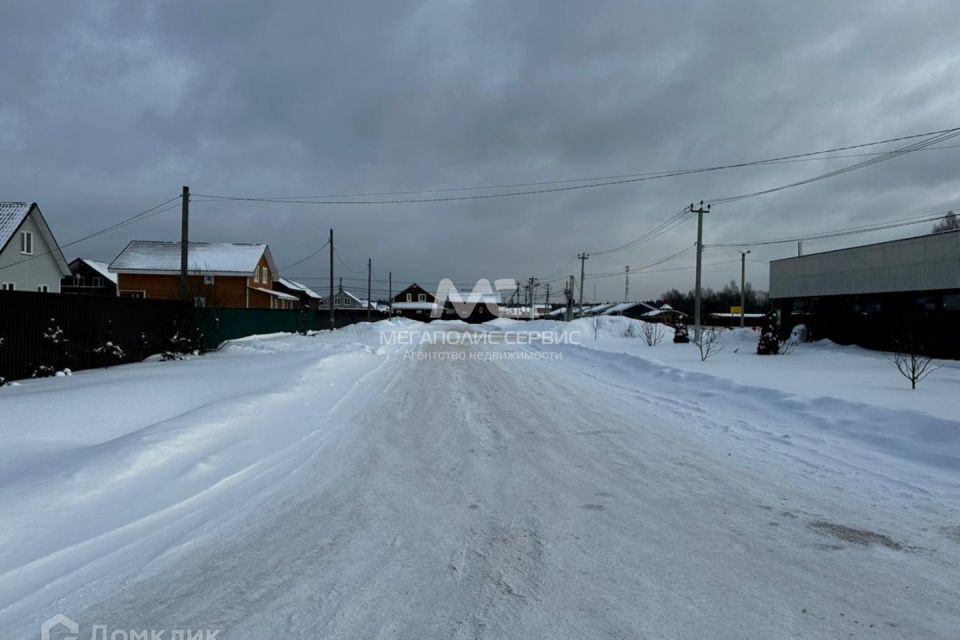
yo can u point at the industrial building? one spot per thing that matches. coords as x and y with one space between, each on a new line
870 295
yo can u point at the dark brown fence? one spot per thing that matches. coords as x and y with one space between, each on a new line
86 322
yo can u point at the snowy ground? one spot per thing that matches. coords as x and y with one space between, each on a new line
334 487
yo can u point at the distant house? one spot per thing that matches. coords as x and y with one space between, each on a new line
414 302
309 299
236 276
345 300
665 315
30 258
635 310
89 277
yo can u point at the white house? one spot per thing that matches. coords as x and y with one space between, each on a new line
30 258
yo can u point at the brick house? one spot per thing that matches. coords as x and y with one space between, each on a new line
238 276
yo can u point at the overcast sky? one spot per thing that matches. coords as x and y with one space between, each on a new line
109 107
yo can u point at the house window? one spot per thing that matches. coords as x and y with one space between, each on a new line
26 243
409 297
97 281
208 280
199 301
256 274
264 275
7 286
133 294
78 280
421 297
43 288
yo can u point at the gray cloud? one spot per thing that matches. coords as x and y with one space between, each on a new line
110 106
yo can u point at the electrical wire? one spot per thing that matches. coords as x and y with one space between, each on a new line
152 211
304 259
590 182
836 234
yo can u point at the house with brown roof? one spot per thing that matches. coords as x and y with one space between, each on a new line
30 258
227 275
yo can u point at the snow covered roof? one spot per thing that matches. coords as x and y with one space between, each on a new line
597 308
624 306
293 285
160 257
12 215
100 267
276 294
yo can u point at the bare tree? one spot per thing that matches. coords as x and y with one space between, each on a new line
950 222
710 342
652 333
909 356
595 324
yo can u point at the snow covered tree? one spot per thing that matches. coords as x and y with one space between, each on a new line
769 344
56 342
109 353
680 335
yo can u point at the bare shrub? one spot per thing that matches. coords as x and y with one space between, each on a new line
910 354
710 342
595 324
652 333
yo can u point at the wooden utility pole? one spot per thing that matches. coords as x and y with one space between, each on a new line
390 292
330 301
568 295
696 292
184 242
626 288
582 257
533 297
546 302
369 290
743 285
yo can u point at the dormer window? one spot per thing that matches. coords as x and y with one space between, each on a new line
26 243
409 297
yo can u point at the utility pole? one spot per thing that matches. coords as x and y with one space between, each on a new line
582 257
696 303
533 296
626 288
369 290
799 248
184 242
330 301
568 298
390 292
546 288
743 284
517 294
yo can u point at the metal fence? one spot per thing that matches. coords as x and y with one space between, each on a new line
45 332
83 323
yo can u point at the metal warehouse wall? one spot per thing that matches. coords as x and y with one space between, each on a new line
915 264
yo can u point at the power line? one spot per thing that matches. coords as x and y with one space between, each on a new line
590 183
155 210
948 134
304 259
835 234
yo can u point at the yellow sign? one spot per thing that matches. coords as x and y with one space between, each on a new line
735 310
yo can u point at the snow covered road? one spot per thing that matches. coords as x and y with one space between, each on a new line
593 496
